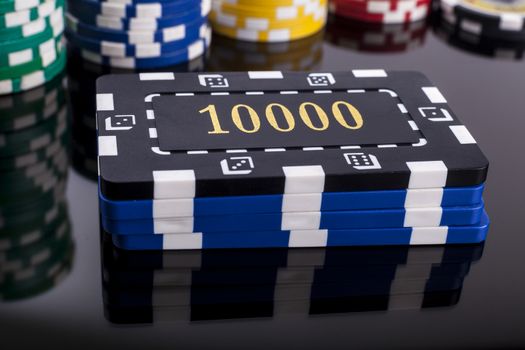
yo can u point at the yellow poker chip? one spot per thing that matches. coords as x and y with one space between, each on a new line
261 23
274 35
274 12
272 3
268 21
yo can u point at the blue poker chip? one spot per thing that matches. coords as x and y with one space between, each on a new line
333 220
194 50
468 234
169 34
151 24
148 10
147 50
330 201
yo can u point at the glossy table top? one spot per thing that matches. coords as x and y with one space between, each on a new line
486 93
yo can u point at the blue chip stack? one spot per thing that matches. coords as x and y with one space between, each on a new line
139 34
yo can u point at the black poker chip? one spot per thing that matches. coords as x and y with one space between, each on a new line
169 135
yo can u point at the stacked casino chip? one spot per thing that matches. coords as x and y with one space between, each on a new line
139 34
382 11
209 163
490 28
237 55
268 20
31 51
35 239
151 287
375 37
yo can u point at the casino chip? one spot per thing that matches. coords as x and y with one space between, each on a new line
382 11
147 287
268 20
141 34
487 28
265 159
491 19
36 247
375 37
236 55
476 44
31 46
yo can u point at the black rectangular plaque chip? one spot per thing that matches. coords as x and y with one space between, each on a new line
171 135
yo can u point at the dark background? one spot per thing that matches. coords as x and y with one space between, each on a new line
486 93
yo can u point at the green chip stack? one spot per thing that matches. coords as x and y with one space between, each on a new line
31 44
36 247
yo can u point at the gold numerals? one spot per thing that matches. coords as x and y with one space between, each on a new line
247 120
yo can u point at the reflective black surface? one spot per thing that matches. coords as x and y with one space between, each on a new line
472 296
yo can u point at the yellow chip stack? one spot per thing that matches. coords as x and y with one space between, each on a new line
268 20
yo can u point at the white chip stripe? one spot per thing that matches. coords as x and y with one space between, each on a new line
429 235
105 102
433 94
107 146
304 179
156 76
427 174
266 75
172 184
462 134
511 22
183 241
421 198
369 73
423 217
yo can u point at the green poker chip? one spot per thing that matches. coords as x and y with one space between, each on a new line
36 185
26 109
24 264
7 6
20 262
19 18
41 203
35 137
44 224
39 225
32 172
15 45
41 62
41 279
39 286
28 54
55 19
34 79
27 159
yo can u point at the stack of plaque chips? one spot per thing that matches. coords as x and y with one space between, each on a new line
382 11
373 37
139 34
31 51
35 239
268 20
488 28
274 159
146 287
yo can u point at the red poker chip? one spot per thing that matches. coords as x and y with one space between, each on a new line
375 37
394 6
409 15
